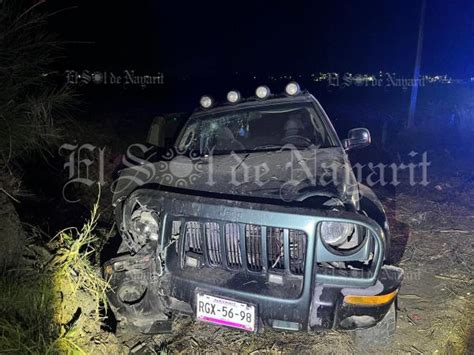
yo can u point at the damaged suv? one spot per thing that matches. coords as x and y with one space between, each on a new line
254 220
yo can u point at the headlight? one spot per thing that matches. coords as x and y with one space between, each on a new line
336 233
144 226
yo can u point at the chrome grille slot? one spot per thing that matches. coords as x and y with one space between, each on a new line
175 228
175 233
275 249
193 237
297 251
232 241
253 243
213 243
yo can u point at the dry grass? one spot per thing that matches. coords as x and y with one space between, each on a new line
56 308
72 261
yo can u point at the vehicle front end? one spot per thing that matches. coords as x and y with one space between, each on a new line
267 261
253 254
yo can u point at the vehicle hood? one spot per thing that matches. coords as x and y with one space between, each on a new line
288 175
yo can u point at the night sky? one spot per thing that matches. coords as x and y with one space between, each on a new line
204 39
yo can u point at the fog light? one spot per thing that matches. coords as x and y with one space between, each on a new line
262 92
292 88
206 101
233 96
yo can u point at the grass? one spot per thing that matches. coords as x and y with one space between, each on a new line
72 262
26 307
32 108
55 308
52 307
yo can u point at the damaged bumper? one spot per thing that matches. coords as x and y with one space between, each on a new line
217 257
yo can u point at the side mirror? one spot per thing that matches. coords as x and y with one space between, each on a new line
357 138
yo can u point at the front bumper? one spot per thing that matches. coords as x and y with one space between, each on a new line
311 301
323 309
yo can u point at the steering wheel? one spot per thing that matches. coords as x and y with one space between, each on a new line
296 139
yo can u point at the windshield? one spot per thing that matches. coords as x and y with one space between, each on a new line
257 128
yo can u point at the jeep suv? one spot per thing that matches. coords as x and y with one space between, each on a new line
254 220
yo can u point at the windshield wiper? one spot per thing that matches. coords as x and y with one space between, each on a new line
267 146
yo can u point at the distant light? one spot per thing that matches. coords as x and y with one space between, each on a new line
206 101
292 88
233 96
262 92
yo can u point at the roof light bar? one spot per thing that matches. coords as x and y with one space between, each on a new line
206 101
233 96
262 92
292 88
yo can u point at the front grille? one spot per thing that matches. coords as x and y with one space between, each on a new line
213 242
253 242
297 251
275 248
232 245
193 237
240 246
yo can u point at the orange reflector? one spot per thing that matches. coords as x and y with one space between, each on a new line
371 300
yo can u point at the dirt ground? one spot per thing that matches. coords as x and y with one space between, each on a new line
432 240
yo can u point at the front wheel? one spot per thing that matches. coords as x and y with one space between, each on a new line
380 335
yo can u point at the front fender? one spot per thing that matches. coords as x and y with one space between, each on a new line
373 208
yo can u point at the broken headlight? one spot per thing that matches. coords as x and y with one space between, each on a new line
142 227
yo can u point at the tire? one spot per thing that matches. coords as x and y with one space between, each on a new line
380 335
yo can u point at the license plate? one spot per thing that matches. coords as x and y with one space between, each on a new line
225 312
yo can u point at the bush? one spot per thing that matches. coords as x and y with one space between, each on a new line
55 308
